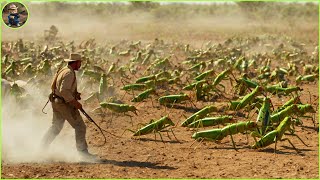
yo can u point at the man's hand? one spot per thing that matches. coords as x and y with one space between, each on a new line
75 104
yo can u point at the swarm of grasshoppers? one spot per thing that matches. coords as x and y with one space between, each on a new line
164 71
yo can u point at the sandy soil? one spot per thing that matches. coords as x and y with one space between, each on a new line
148 157
127 157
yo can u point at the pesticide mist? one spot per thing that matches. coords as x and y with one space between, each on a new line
24 125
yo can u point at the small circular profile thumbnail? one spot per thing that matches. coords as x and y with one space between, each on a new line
15 14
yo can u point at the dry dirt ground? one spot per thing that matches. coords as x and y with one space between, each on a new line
148 157
127 157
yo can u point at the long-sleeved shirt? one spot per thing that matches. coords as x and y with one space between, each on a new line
66 84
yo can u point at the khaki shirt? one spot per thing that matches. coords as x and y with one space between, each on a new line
66 85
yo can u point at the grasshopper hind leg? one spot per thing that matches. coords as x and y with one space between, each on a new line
174 135
155 136
233 144
298 151
123 95
300 140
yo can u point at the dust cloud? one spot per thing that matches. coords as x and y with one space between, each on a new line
107 25
24 126
136 25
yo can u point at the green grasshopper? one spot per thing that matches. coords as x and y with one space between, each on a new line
197 67
92 74
220 77
146 78
111 68
249 97
206 90
238 63
131 87
45 68
163 74
163 64
174 80
138 58
204 75
119 108
297 109
161 82
305 108
276 89
294 100
147 57
28 71
219 134
203 90
264 115
211 121
145 94
276 135
156 126
243 84
249 83
193 85
125 53
11 69
233 105
198 115
309 78
171 99
150 83
278 74
103 85
279 116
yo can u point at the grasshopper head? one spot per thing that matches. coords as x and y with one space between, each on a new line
104 104
295 107
196 136
186 97
212 108
254 146
268 100
231 119
298 79
133 109
260 89
297 122
297 100
309 108
228 71
169 121
251 124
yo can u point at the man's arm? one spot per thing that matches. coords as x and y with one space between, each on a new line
66 90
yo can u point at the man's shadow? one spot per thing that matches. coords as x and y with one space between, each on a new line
130 164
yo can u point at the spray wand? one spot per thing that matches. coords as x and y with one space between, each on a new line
101 130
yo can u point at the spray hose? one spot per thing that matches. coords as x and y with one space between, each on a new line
91 120
101 130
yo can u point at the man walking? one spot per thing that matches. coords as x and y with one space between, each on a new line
64 99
